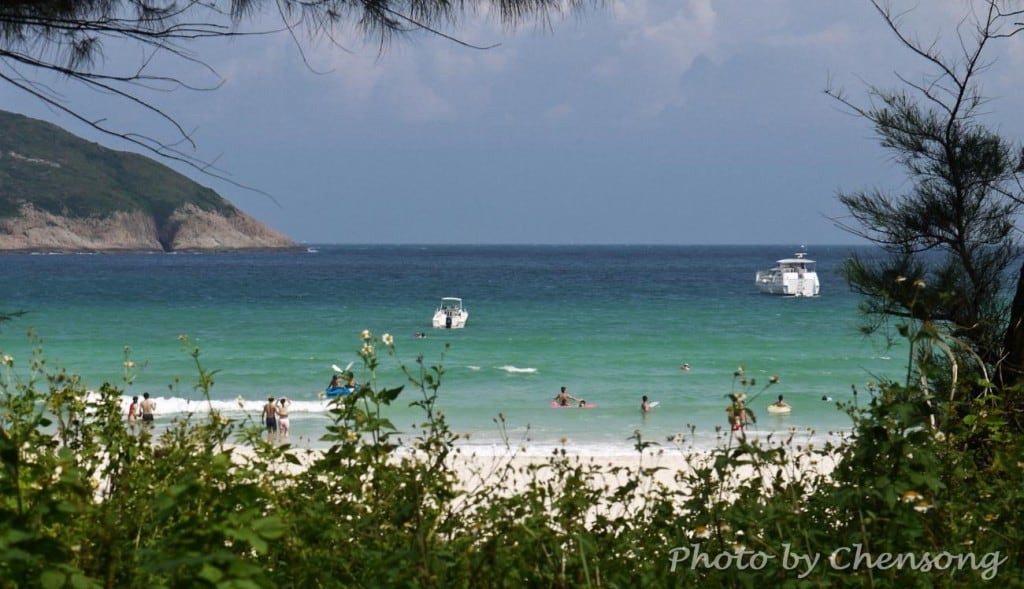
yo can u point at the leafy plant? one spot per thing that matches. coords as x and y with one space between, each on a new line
91 501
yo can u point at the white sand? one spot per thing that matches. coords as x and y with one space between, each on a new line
509 471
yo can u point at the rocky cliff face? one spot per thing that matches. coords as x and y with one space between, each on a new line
59 192
188 229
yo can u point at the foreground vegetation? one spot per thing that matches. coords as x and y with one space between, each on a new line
925 493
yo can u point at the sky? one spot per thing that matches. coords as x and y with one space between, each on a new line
633 122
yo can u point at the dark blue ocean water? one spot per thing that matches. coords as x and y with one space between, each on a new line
612 323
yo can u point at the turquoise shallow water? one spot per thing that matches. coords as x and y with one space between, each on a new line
612 323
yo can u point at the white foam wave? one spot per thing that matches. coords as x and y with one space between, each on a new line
179 406
517 370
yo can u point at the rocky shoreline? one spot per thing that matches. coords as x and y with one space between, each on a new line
187 229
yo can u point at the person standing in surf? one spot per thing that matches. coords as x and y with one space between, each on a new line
563 397
282 416
737 412
269 417
148 406
133 410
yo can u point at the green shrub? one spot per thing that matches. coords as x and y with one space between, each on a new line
90 501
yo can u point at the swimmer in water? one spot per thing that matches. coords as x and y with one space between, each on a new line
563 397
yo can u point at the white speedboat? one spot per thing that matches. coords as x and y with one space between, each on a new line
450 314
794 277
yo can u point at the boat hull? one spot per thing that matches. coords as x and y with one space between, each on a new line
788 284
450 314
450 320
790 277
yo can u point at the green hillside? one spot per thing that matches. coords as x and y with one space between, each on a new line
63 174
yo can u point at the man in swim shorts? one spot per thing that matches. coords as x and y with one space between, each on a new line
148 406
269 416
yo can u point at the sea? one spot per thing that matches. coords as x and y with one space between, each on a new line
611 323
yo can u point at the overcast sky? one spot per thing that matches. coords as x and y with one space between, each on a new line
650 122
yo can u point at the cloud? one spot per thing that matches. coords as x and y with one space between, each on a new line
830 37
421 77
663 116
657 43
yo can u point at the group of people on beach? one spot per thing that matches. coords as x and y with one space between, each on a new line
275 416
143 411
350 383
275 412
737 413
739 416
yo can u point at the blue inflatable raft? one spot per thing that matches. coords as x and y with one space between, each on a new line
338 391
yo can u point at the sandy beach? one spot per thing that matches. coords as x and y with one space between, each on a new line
506 472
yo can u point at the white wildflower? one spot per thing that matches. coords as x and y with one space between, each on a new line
912 496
